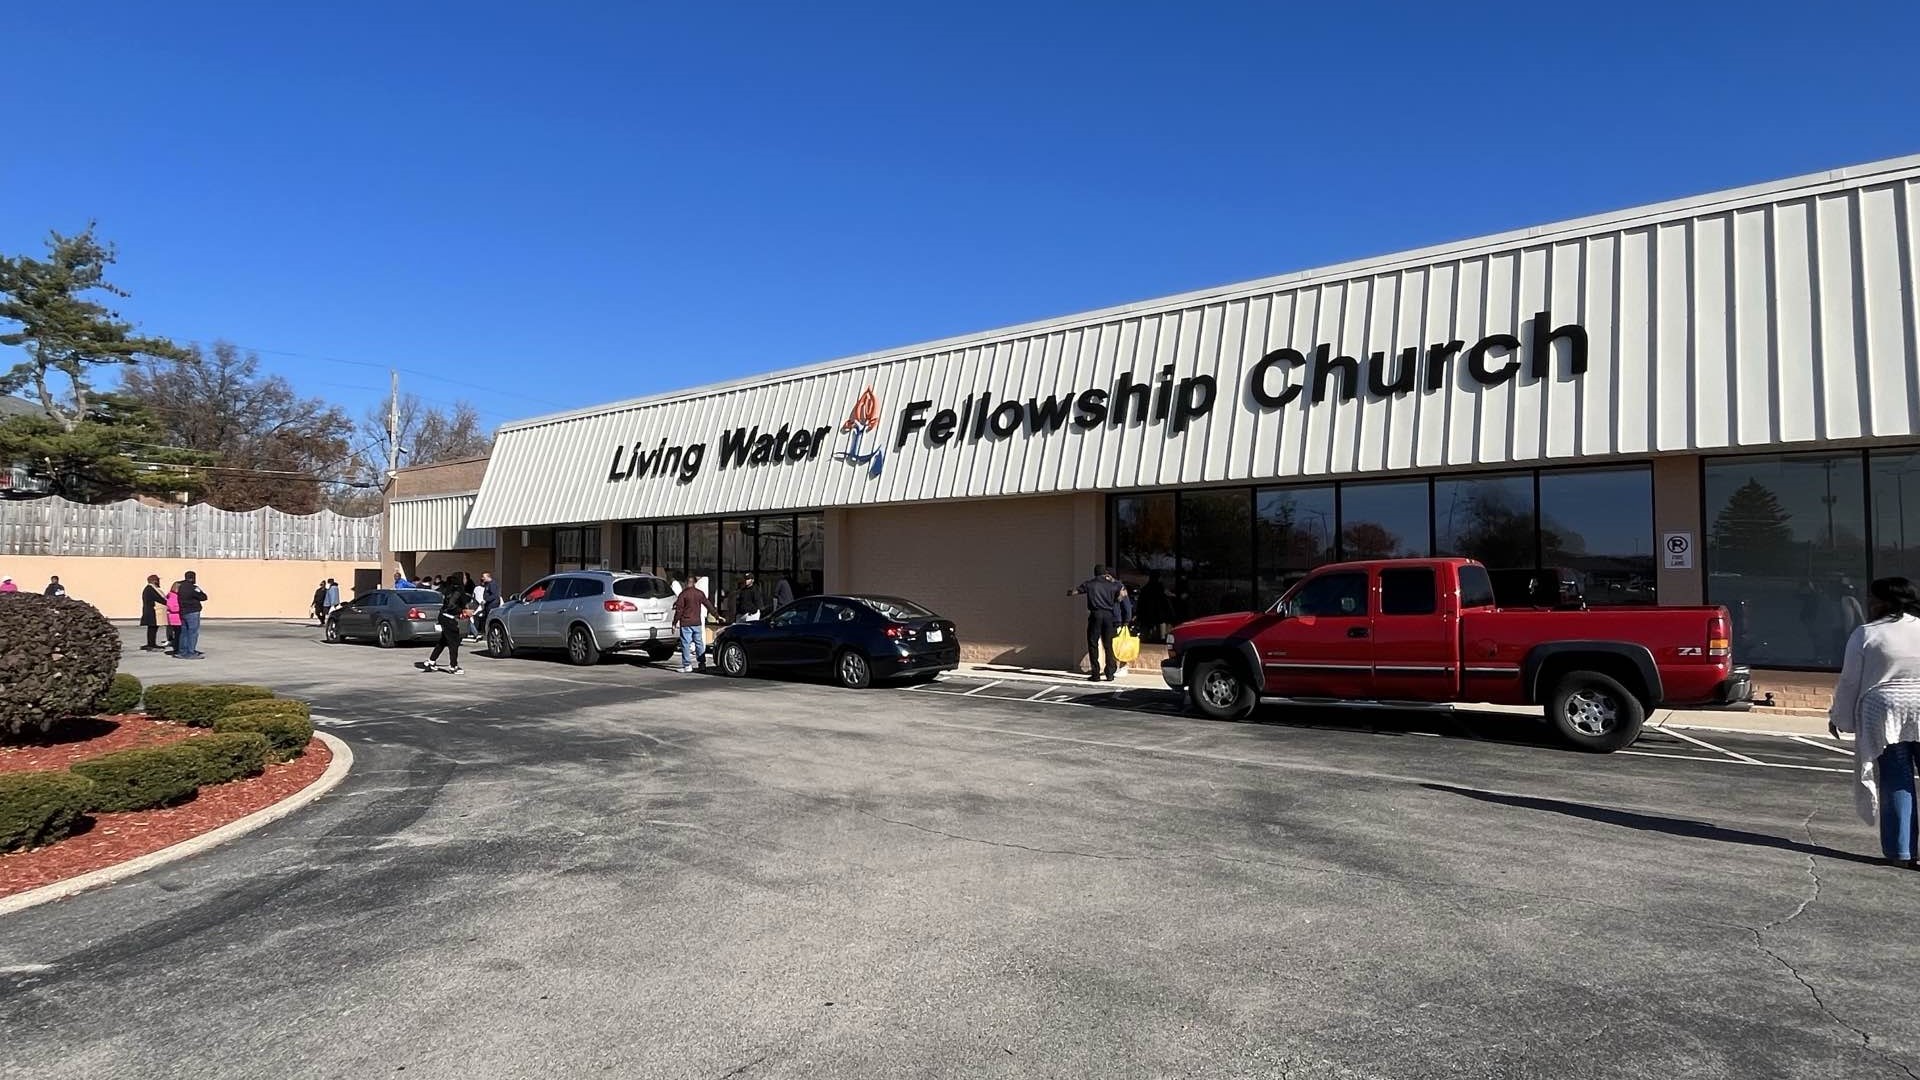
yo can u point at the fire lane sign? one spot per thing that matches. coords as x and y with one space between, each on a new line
1676 551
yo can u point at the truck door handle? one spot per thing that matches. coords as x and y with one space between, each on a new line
1356 631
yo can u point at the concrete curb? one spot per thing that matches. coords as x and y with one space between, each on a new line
107 875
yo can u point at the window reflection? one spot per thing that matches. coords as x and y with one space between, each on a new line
1383 521
1596 526
1216 550
1143 560
810 555
1489 518
1896 513
1786 553
1294 533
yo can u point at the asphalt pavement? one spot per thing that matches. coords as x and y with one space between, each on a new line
542 870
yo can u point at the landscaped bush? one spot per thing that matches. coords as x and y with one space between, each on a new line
230 756
56 657
40 807
198 704
284 723
122 696
144 778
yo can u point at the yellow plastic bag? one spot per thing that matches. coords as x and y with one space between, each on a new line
1125 646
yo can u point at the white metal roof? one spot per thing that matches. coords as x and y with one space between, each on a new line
1771 314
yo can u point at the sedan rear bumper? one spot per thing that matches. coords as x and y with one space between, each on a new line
931 661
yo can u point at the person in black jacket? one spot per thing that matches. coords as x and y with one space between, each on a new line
456 607
746 600
186 644
152 602
320 603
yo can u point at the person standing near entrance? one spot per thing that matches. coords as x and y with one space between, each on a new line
746 600
1878 700
1104 594
187 645
152 602
690 611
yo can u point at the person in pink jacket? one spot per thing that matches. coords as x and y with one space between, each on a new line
173 620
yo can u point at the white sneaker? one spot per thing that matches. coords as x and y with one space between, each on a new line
426 665
456 670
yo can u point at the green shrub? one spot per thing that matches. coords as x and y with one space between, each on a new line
122 696
229 756
144 778
40 807
198 703
284 723
56 658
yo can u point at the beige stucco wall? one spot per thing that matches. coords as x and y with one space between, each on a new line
999 568
236 588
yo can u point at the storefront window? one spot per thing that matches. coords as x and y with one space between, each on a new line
736 553
637 543
1294 533
809 555
1216 551
577 548
1384 521
1598 524
1489 518
1143 560
1786 553
670 550
1896 513
776 552
703 558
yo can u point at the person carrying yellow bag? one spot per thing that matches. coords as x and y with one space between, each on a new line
1105 597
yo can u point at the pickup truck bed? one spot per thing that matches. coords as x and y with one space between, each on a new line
1428 631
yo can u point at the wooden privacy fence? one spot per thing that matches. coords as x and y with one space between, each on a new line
54 526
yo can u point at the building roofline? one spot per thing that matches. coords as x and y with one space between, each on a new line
1727 198
442 464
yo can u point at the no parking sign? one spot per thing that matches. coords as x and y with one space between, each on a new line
1676 550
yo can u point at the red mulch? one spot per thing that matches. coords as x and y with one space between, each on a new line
76 740
115 838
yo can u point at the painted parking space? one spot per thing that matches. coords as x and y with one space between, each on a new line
1790 753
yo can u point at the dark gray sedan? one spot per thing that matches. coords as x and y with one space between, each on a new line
387 617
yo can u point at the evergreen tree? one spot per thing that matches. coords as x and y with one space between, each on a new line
1751 525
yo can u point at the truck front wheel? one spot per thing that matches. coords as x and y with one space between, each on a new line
1218 691
1595 713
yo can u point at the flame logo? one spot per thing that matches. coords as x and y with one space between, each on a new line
865 417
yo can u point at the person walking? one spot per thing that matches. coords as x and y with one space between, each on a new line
152 602
486 597
173 619
456 608
191 596
54 588
690 611
746 600
332 599
1878 700
1104 594
320 602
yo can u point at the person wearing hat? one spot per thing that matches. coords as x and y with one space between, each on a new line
7 585
151 601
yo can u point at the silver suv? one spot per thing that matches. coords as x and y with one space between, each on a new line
588 613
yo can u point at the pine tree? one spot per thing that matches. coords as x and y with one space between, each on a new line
1751 525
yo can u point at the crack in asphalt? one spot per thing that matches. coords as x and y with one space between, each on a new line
740 1070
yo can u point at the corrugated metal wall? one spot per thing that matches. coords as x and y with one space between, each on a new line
434 523
1767 316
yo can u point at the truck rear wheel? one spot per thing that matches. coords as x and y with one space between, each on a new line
1219 691
1595 713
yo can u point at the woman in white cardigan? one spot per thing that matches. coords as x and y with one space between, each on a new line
1878 700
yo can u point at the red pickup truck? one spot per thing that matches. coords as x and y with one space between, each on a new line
1428 630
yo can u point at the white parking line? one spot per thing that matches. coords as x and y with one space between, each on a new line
1715 749
977 689
1824 746
1043 693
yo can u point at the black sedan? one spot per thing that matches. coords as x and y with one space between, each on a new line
857 640
387 616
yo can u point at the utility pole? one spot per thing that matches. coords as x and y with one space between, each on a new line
393 426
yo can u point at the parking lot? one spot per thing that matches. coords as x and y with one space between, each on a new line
539 869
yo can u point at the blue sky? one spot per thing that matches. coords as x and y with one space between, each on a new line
556 205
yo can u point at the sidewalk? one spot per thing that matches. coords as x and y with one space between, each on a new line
1759 721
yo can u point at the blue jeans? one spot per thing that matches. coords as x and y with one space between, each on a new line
187 641
693 645
1898 839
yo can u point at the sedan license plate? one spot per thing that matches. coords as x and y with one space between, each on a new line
935 635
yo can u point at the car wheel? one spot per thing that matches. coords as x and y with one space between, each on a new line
851 670
497 643
332 632
1218 690
733 659
384 634
581 649
1595 713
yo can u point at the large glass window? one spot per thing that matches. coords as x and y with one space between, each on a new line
1598 524
703 558
736 553
1143 561
1216 549
1294 532
809 555
1896 513
776 552
1786 552
577 548
1489 518
1384 521
670 550
637 544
